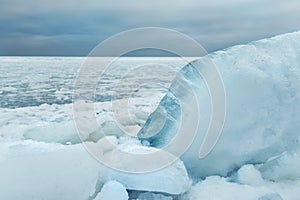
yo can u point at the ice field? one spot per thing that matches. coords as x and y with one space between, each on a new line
257 156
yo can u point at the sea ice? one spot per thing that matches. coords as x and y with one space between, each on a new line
258 149
262 84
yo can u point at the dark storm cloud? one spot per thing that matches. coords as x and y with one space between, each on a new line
69 27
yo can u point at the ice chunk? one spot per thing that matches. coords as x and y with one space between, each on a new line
171 179
249 175
38 170
223 189
59 132
287 189
262 83
220 189
284 167
112 190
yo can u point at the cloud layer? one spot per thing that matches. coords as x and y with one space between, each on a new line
69 27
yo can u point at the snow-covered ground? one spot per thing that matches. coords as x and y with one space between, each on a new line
256 158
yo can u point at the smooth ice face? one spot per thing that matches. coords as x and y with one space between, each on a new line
112 190
38 170
262 83
172 179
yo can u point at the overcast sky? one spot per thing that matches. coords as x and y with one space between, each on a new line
75 27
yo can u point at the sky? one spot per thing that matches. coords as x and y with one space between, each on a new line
75 27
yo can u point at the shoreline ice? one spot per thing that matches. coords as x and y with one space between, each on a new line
41 155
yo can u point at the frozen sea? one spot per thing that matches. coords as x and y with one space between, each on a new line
38 91
36 117
256 158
